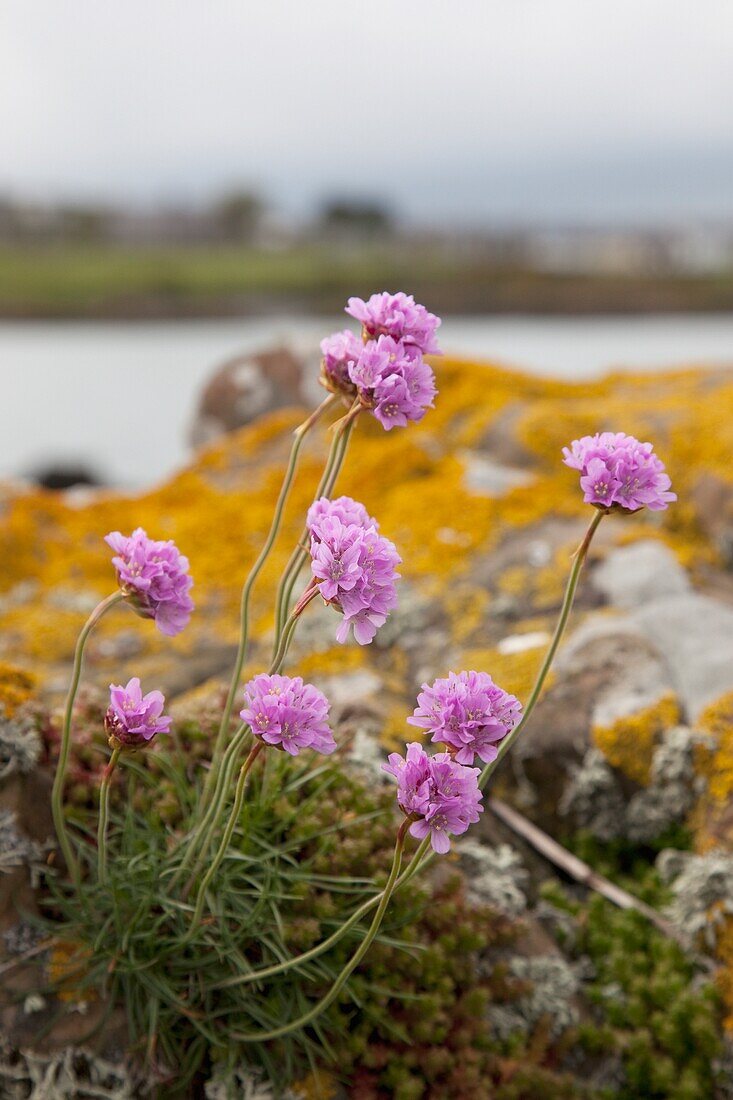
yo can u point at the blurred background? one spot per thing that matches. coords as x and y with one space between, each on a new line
183 187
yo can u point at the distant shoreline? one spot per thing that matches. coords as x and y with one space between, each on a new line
106 283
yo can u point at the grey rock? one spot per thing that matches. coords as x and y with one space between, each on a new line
634 575
631 675
245 388
486 477
694 635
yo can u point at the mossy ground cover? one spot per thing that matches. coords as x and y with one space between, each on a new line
313 842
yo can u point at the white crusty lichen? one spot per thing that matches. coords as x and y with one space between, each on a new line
702 888
20 745
551 987
18 850
672 788
593 797
244 1083
73 1072
496 876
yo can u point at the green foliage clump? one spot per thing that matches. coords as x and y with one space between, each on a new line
313 843
664 1025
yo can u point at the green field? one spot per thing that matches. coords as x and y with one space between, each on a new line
100 281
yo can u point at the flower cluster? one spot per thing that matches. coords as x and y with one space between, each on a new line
468 713
617 471
386 370
285 711
441 795
344 508
154 577
133 719
337 352
354 567
400 316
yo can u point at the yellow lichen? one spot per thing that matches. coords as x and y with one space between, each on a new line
714 759
66 970
516 672
629 743
219 510
724 976
16 687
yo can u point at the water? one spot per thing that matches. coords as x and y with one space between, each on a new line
120 397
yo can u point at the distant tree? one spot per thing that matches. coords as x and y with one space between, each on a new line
352 217
83 224
238 216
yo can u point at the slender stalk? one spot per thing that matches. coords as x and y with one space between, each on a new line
325 945
578 559
228 832
334 462
212 813
58 782
323 1004
104 815
202 835
298 436
418 860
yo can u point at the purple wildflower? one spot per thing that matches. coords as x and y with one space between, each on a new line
399 316
133 719
338 350
617 471
394 381
154 577
355 569
343 508
284 711
442 795
469 713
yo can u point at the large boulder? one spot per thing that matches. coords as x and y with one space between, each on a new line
247 387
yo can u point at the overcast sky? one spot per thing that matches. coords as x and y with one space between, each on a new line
460 109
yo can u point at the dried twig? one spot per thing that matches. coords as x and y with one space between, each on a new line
579 870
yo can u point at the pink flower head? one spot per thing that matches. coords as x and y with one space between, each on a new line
154 577
133 719
469 713
286 712
355 570
394 381
617 471
344 508
338 351
442 795
399 316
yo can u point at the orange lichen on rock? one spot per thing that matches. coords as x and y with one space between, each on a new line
16 687
629 743
219 509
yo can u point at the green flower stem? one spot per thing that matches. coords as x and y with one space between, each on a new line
578 559
202 831
58 782
323 1004
228 832
104 815
336 455
418 861
203 834
325 945
298 436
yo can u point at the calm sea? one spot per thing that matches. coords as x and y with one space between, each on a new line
120 397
